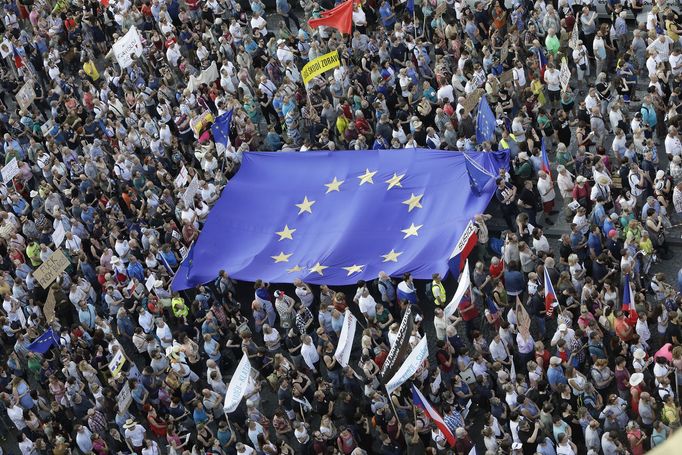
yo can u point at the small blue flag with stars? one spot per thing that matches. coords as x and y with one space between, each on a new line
221 129
338 217
485 122
43 343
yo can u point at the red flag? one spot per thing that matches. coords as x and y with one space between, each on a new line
340 18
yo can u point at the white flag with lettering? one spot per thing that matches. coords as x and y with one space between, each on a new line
410 366
342 354
237 386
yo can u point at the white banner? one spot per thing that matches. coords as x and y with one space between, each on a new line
128 45
9 171
573 40
462 287
207 76
410 366
342 354
564 74
191 190
237 386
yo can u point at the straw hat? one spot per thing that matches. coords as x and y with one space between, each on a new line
130 423
639 354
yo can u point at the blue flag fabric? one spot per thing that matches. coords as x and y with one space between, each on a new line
337 217
485 122
479 177
43 343
221 129
410 6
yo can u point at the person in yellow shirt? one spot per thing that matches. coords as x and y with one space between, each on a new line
33 254
90 69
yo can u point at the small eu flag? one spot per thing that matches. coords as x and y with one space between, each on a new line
221 129
43 343
485 122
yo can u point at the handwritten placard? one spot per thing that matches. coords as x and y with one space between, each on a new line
51 268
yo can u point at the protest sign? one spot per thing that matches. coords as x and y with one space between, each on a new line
9 171
343 350
128 45
191 190
116 364
125 398
49 307
149 284
237 387
507 76
51 268
26 95
472 99
564 74
181 180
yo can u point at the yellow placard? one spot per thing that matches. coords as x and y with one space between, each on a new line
320 65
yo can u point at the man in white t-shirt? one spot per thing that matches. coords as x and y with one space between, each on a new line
673 146
676 61
134 435
662 46
260 23
552 79
519 74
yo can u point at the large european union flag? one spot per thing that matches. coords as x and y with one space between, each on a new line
336 217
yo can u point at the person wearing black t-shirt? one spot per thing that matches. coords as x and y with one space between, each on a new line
529 435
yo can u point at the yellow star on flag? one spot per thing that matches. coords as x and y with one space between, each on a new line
296 268
391 256
413 201
318 268
285 233
333 185
394 181
305 206
353 269
281 257
411 231
367 177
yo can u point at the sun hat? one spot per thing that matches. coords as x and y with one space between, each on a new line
130 423
639 354
636 379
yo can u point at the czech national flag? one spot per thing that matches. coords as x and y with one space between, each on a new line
466 243
421 402
629 301
18 61
545 159
542 61
550 296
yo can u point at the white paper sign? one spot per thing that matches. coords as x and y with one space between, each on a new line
58 235
149 284
125 398
182 178
237 387
128 45
9 171
191 190
5 48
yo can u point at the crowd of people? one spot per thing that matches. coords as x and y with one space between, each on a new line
99 149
